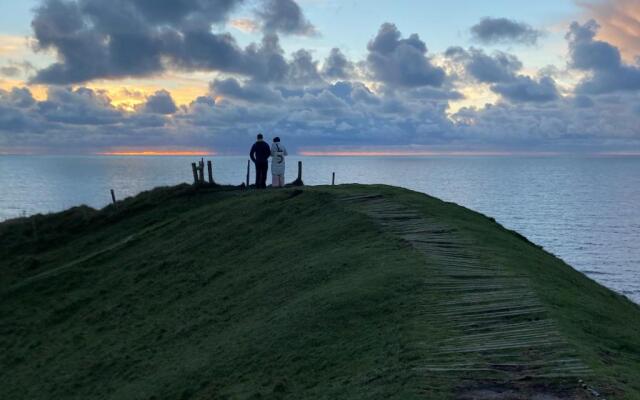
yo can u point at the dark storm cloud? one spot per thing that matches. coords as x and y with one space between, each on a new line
337 66
285 16
160 102
95 39
501 30
603 60
401 62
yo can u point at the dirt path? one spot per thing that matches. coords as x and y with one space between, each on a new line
502 342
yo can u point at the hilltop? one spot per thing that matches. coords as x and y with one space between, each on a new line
348 291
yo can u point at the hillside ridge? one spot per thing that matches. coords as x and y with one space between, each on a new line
349 291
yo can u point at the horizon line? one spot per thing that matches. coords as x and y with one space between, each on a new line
341 153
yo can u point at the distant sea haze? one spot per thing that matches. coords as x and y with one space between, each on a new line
586 210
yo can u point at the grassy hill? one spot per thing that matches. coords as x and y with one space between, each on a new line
350 291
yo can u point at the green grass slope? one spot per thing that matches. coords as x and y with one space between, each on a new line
222 293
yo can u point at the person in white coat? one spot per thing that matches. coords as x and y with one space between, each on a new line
278 153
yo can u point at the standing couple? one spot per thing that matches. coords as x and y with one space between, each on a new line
260 153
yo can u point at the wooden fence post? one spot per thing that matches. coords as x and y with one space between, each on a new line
298 181
113 196
201 171
195 173
333 179
210 170
248 170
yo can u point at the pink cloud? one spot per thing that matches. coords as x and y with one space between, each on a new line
620 21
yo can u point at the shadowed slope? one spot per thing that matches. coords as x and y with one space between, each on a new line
341 292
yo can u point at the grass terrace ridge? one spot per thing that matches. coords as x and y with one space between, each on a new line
328 292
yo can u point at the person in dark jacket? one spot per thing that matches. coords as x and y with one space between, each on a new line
260 153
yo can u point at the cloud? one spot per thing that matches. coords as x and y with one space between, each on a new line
160 102
245 25
525 89
582 101
10 71
13 46
603 60
98 40
15 69
502 30
563 127
337 66
17 97
500 70
251 91
79 106
500 67
399 95
265 62
345 113
303 69
70 119
401 62
620 21
12 121
205 101
285 16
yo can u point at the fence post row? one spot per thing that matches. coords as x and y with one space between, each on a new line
198 174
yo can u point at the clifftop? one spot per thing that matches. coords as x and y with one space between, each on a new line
348 291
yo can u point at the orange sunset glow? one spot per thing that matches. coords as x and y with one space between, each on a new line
158 153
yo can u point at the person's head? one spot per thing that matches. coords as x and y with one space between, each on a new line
276 140
260 137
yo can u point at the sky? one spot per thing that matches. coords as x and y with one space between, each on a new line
327 76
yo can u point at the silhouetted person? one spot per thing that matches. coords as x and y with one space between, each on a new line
260 153
278 152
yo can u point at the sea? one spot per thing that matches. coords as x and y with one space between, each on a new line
583 209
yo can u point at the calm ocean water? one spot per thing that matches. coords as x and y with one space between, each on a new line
586 210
